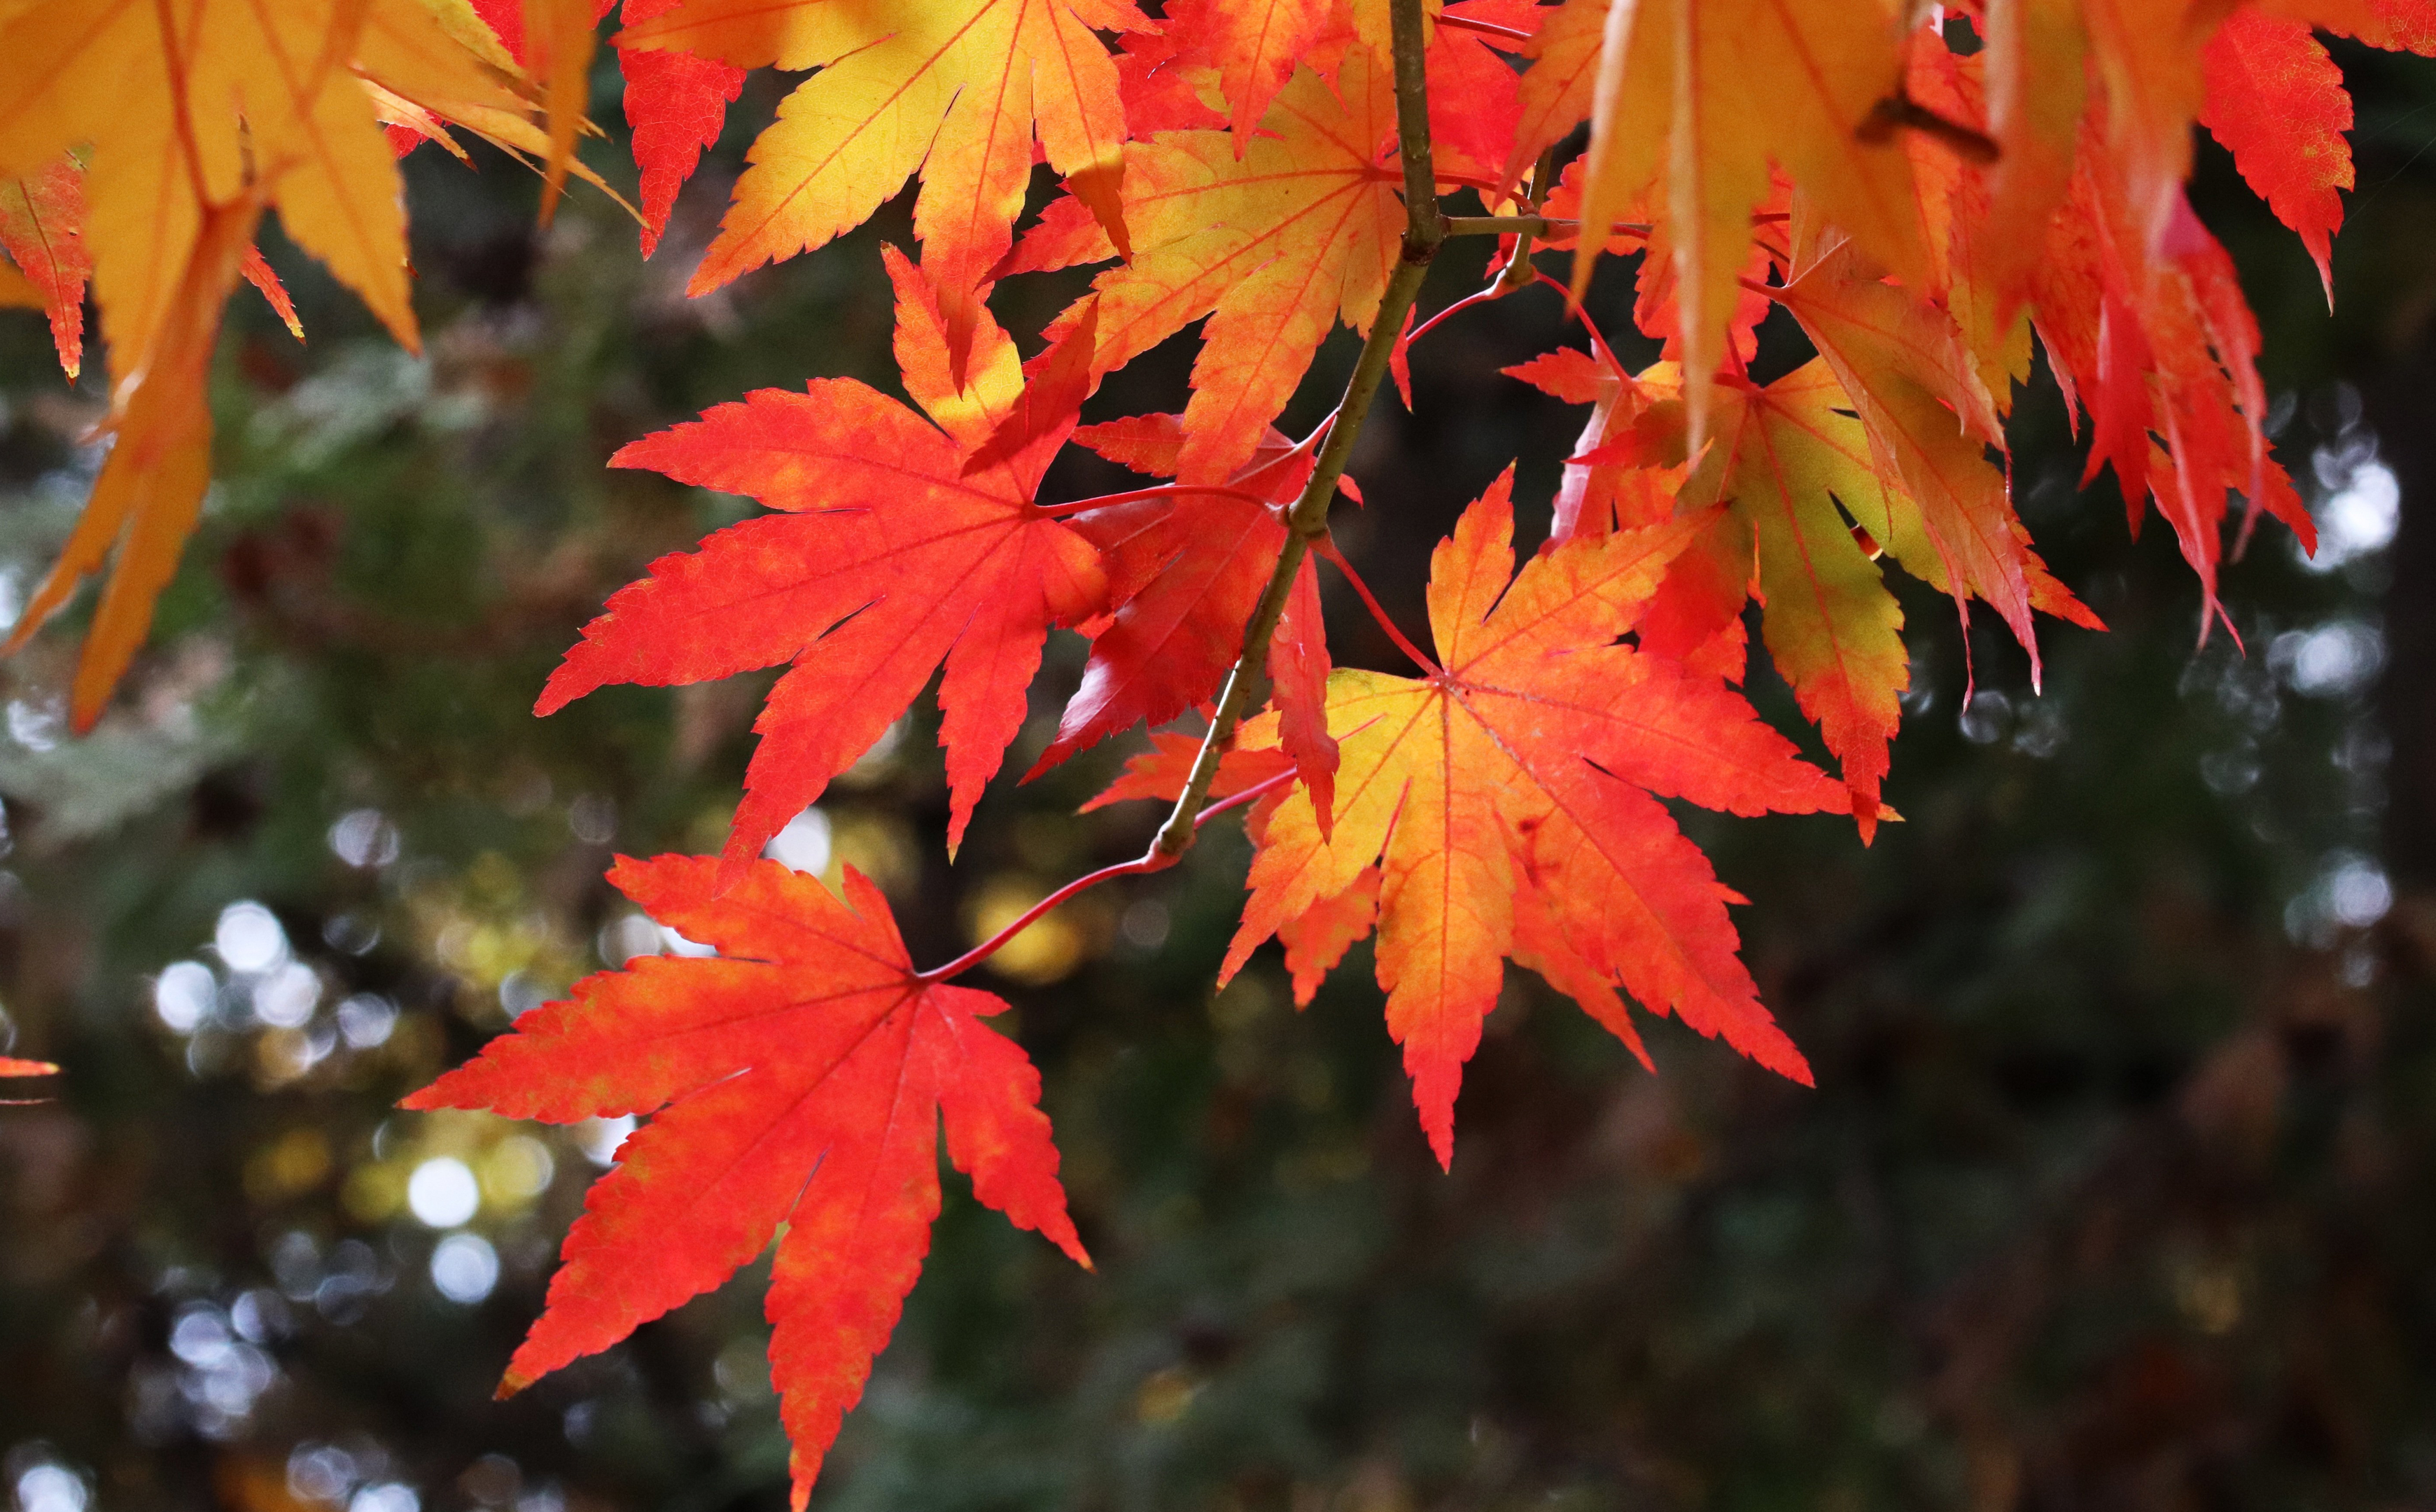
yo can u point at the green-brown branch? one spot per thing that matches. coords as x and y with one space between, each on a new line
1424 230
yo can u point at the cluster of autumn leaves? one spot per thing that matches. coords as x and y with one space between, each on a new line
1925 190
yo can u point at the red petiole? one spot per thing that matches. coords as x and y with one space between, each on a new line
1137 866
1327 548
1162 491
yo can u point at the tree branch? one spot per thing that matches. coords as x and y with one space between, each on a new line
1424 230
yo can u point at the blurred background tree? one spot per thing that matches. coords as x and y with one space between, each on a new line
2115 1189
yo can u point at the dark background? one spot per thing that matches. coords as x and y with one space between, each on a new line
2118 1188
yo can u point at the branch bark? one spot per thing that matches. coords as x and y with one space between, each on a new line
1425 229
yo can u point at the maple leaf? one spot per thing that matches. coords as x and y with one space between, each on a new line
675 104
1555 93
1888 427
1475 94
1621 472
1275 248
799 1081
957 89
2277 103
1185 571
553 40
1318 940
151 487
1702 94
1160 771
2036 80
1255 46
2159 339
42 225
885 559
287 121
1781 457
1946 511
1532 763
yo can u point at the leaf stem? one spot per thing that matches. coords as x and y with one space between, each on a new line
1492 291
1162 491
1487 28
1598 337
1328 553
1085 883
1425 229
1535 225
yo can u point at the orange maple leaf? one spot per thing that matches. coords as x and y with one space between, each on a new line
799 1080
1946 512
1532 764
42 225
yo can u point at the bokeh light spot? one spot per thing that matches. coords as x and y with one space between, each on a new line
464 1268
443 1192
249 938
183 995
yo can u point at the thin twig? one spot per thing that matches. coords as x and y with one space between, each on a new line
1106 874
1518 269
1424 230
1541 226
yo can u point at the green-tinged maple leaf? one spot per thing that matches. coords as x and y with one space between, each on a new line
888 555
1532 763
1788 460
1946 513
797 1081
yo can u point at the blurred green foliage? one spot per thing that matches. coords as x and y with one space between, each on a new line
2114 1190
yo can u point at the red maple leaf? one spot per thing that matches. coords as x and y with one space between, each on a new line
799 1080
1185 570
893 552
676 104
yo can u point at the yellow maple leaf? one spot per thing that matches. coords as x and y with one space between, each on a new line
955 88
192 120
